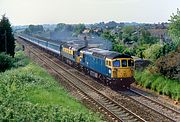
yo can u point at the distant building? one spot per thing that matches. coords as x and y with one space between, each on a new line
160 33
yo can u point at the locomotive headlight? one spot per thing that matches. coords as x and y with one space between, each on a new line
110 71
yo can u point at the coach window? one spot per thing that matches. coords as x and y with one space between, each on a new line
124 63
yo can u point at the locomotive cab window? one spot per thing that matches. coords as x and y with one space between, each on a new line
109 63
78 53
116 63
124 63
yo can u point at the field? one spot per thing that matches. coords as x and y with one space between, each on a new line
29 93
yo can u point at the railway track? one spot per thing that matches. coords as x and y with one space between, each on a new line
110 107
170 113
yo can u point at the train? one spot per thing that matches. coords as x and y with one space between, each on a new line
108 67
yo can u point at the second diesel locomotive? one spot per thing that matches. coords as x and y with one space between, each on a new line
109 67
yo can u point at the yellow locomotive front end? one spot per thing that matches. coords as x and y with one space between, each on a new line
122 71
122 68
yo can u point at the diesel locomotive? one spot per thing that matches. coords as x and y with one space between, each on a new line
111 68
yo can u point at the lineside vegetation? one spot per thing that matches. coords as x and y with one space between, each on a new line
29 93
164 75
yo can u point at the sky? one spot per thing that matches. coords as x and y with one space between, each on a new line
25 12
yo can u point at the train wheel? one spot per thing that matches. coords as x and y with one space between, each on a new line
101 78
107 82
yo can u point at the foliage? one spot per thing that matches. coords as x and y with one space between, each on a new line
129 51
128 34
153 52
146 37
6 36
168 47
63 27
78 29
130 39
169 65
159 83
20 60
107 35
140 49
30 94
174 27
6 62
119 48
34 29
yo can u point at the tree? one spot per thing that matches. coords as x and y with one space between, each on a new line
6 62
174 27
169 65
7 41
153 52
127 33
107 35
79 28
118 48
34 29
146 37
63 27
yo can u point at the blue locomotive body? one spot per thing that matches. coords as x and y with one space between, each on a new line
95 63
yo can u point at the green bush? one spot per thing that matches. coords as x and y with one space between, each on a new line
169 65
20 60
166 90
6 62
158 83
153 52
148 83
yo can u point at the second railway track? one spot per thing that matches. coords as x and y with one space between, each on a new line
151 103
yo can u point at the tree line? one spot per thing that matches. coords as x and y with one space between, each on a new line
7 40
7 44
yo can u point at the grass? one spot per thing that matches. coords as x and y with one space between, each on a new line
50 92
29 93
159 83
